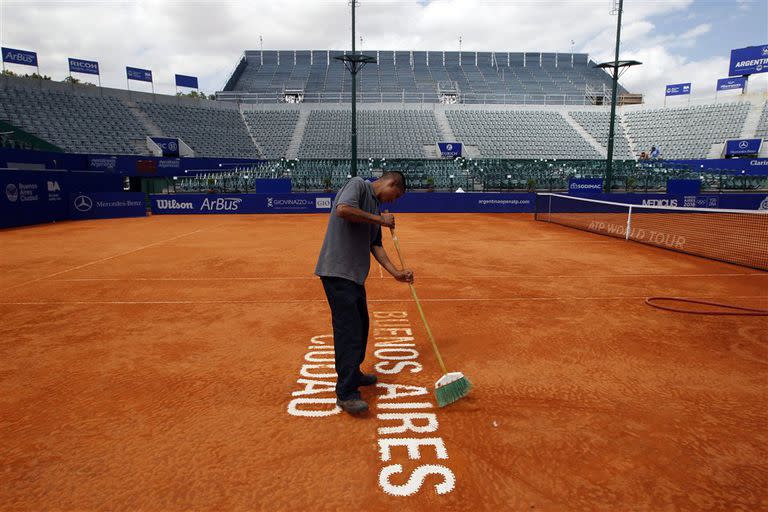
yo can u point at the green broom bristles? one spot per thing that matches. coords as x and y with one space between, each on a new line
457 387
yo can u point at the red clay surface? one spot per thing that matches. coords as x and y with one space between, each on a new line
150 363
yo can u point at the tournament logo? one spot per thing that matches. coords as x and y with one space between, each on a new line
172 146
322 202
764 204
83 203
12 192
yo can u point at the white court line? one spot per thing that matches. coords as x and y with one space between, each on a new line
462 278
302 301
105 259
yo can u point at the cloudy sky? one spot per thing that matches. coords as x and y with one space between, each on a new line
677 40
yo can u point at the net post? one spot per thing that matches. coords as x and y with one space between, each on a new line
629 223
549 210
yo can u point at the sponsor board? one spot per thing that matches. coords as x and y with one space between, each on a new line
748 61
103 205
585 186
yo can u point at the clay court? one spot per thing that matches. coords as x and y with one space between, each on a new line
152 363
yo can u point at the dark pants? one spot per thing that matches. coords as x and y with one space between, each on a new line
349 314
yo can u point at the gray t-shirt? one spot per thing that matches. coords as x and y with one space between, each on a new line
347 245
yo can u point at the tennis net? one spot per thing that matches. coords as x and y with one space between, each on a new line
733 236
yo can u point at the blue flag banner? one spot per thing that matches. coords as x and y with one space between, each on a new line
142 75
90 67
678 89
585 186
169 146
742 147
748 61
449 149
186 81
729 84
15 56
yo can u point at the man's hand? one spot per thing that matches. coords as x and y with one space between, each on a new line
388 220
404 276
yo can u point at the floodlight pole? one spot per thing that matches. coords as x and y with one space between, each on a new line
354 62
353 167
615 87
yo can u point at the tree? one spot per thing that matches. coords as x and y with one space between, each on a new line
197 95
38 77
71 80
8 72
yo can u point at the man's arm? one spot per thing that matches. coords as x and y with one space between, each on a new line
380 254
352 214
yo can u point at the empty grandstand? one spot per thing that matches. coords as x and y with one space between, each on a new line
272 130
379 133
762 126
73 122
269 76
208 131
686 132
86 119
596 123
519 134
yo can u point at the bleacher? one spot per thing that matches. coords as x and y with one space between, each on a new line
597 124
686 132
94 120
519 134
208 131
73 122
762 125
415 76
272 129
381 133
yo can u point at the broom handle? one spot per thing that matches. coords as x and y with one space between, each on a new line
418 304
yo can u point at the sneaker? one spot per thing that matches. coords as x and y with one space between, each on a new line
353 406
367 379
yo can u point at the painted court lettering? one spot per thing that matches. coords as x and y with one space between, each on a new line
316 393
405 416
413 455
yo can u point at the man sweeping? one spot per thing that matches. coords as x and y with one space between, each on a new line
353 233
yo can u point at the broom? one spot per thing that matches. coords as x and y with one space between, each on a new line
452 385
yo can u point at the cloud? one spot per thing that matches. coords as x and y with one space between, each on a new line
205 38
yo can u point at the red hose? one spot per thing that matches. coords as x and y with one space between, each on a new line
739 311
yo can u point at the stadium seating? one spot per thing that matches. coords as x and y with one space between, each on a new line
381 133
208 131
762 126
687 132
272 129
415 76
95 120
597 124
77 123
519 134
